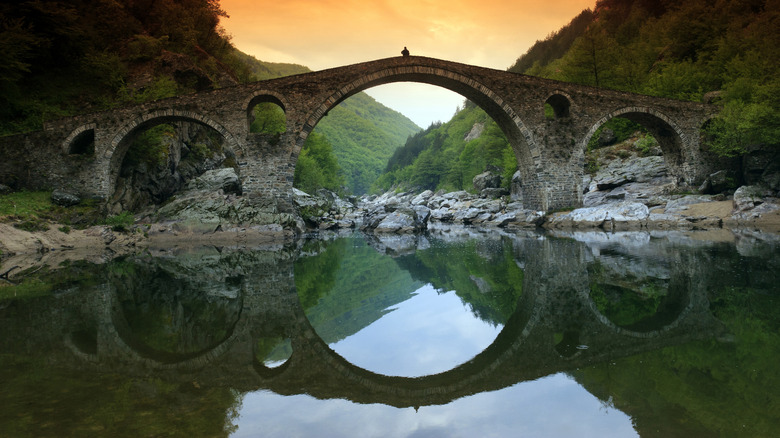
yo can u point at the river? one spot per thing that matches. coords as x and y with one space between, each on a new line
452 333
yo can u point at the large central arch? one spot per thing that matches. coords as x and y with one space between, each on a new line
520 137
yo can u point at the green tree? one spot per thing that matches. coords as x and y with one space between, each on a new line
317 166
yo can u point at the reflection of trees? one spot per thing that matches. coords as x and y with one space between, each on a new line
348 286
482 273
724 387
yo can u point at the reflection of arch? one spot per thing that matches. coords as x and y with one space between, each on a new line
125 340
560 103
668 134
517 133
265 96
121 142
654 327
363 386
81 141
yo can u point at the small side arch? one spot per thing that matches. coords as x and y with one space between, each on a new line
117 148
265 96
81 141
560 103
669 134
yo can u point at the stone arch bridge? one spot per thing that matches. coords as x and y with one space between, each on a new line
84 153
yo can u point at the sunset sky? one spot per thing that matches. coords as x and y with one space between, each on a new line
322 34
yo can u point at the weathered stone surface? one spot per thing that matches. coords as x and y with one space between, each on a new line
516 187
623 215
4 189
63 198
224 179
607 137
747 197
493 192
475 132
397 222
486 180
422 198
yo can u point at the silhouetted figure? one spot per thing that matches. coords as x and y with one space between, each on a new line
405 51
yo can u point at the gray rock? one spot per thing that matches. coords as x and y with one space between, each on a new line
224 179
486 180
717 182
442 214
396 222
607 137
421 215
4 189
679 205
422 198
475 132
747 197
622 215
64 199
493 192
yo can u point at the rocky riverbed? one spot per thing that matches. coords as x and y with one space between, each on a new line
627 193
634 193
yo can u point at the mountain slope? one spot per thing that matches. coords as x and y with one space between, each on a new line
364 134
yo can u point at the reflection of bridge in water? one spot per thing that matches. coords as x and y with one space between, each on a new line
556 327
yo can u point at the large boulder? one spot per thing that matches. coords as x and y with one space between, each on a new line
399 221
747 197
224 179
486 180
620 215
64 198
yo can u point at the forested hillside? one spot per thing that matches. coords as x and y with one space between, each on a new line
680 50
448 156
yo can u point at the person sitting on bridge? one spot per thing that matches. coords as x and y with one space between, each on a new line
405 51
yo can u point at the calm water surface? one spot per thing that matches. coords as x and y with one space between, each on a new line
455 333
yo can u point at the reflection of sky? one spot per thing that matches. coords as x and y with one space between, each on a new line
426 334
555 406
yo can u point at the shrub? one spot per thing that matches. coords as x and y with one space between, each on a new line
120 222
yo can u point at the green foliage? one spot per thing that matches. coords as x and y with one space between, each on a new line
317 167
485 277
269 119
622 128
63 58
151 146
162 87
349 286
646 144
706 388
145 47
121 222
364 135
42 281
25 205
679 50
441 158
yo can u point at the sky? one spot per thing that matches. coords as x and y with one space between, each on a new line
322 34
